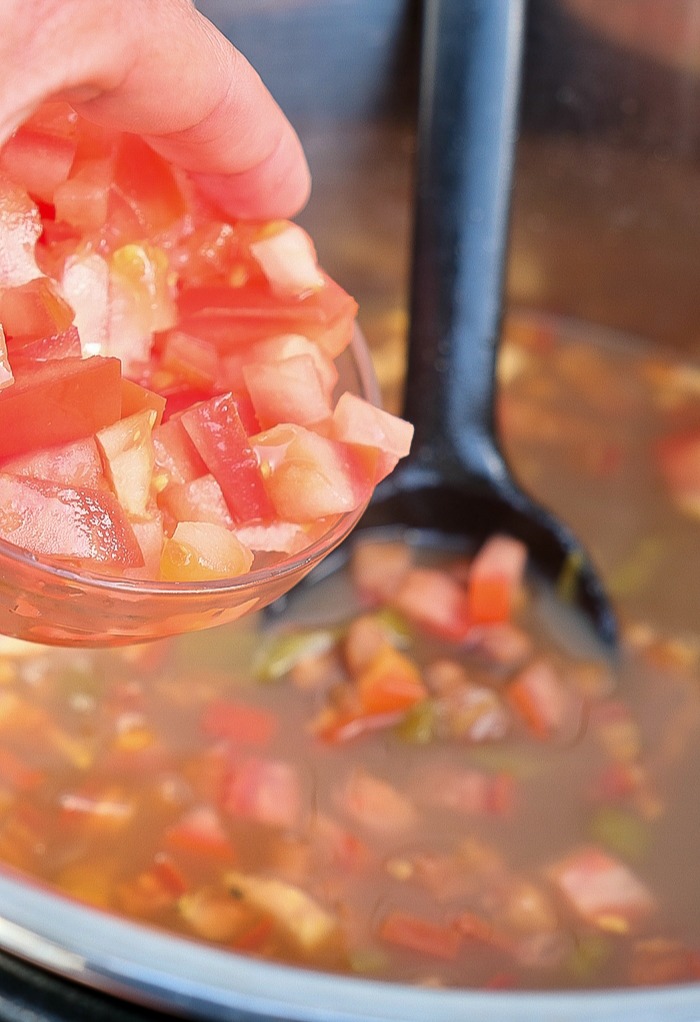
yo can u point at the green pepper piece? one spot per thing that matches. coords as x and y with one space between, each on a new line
621 832
278 656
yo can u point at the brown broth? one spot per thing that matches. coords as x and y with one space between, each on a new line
123 757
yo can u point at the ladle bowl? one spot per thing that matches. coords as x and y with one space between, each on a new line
48 603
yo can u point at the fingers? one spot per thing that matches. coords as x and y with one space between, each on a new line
159 68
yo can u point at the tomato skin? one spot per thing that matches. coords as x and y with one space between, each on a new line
79 523
217 432
58 401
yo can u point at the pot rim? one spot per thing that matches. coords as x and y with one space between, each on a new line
151 967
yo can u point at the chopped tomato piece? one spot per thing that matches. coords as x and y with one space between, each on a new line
378 569
216 430
423 936
146 182
34 310
38 159
138 399
495 579
391 682
436 602
58 401
239 722
356 421
127 449
79 523
540 697
201 551
287 257
309 476
679 460
265 790
200 832
190 359
200 500
290 390
602 890
20 227
231 316
74 464
176 457
376 804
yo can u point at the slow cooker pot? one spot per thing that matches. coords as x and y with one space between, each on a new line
605 228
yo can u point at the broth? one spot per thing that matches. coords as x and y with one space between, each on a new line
225 786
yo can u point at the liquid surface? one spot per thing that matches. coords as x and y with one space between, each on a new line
225 786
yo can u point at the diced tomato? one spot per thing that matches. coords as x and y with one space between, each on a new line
201 551
200 832
436 602
287 257
43 349
127 449
34 310
79 523
539 696
405 930
678 456
38 159
140 301
83 199
356 421
495 579
191 359
150 537
272 350
57 402
138 399
20 227
85 285
146 182
602 890
311 476
290 390
74 464
240 722
377 805
391 682
176 457
265 790
154 889
275 537
378 569
230 316
216 430
200 500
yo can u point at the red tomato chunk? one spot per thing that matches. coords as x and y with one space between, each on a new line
133 317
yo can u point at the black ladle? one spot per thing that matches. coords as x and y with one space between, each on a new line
456 480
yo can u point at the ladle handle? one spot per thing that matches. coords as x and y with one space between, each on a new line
470 75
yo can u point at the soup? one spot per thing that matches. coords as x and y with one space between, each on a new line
407 775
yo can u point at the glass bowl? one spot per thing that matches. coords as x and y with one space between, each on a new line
47 603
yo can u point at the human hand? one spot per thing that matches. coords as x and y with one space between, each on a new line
160 69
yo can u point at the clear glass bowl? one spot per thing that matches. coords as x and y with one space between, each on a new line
47 603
